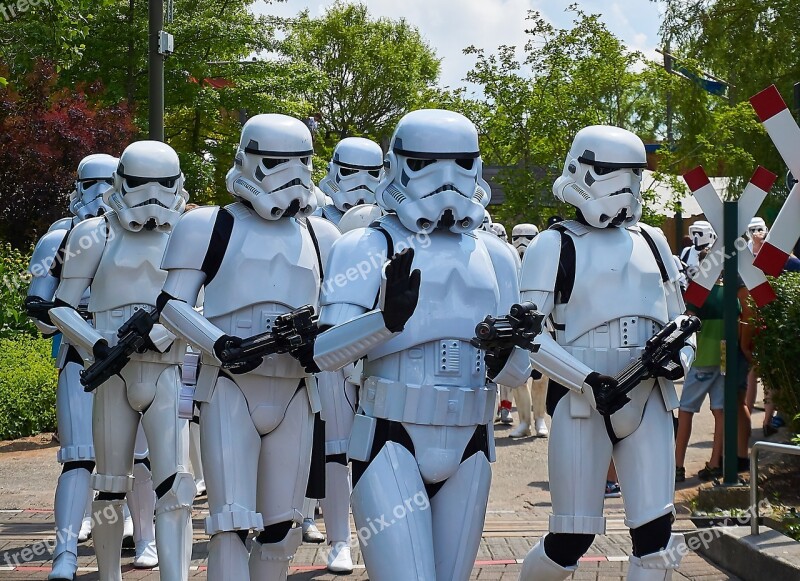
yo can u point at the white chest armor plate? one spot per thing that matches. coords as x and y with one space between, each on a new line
265 262
458 288
129 272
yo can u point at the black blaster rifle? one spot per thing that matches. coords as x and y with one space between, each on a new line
39 309
133 335
290 331
658 359
519 328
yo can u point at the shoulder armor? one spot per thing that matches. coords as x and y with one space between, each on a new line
65 223
190 238
573 226
664 250
353 270
326 233
85 245
44 253
540 262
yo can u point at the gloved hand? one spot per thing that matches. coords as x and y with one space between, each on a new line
305 355
496 359
599 394
235 365
401 290
100 350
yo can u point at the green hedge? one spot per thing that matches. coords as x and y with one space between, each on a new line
777 346
27 387
14 281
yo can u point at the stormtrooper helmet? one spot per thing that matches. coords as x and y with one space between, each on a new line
499 230
148 187
757 225
522 235
353 173
433 173
602 176
272 167
359 216
94 179
702 234
486 222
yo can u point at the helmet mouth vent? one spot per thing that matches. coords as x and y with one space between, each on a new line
151 201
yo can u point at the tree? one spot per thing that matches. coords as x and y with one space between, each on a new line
750 44
569 78
44 133
370 72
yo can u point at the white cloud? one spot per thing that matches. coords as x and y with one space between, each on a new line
449 26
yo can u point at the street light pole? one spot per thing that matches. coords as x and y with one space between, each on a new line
155 70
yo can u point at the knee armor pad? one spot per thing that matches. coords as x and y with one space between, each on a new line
180 493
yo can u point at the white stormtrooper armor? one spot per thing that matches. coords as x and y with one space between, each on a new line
703 236
353 174
119 255
94 179
359 217
422 439
531 396
499 230
256 261
618 290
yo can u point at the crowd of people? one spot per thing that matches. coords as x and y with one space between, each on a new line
318 345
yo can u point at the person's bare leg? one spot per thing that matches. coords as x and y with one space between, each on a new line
684 433
752 389
716 447
769 407
745 427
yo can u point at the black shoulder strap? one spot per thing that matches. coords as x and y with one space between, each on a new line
565 278
61 254
218 244
316 248
654 249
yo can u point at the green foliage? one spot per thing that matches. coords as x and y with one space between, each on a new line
570 78
27 387
777 350
369 72
14 280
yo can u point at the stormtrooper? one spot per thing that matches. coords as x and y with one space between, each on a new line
257 260
608 283
119 254
353 174
531 396
757 226
703 237
74 406
422 439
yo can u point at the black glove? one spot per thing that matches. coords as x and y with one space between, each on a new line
495 360
672 369
402 290
234 365
100 350
601 387
305 355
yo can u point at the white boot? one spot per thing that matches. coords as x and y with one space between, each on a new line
107 537
657 566
174 528
227 557
70 506
539 567
522 397
270 561
142 504
127 528
311 533
541 428
336 511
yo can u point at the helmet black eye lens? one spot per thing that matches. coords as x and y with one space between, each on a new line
601 171
637 171
346 171
89 183
271 162
466 162
418 164
134 182
375 173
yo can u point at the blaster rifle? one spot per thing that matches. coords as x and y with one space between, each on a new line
519 328
658 359
290 331
39 309
133 335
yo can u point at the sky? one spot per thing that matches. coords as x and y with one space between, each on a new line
451 25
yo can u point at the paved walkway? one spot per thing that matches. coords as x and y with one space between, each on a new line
26 541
